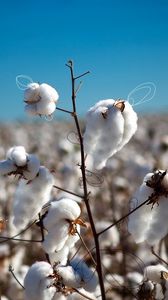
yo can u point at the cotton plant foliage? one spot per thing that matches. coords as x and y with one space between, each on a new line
40 99
62 223
149 222
38 282
18 162
110 125
31 196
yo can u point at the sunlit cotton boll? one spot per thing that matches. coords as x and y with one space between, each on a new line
65 208
33 166
149 222
38 283
110 125
41 99
78 275
18 155
60 257
30 198
155 273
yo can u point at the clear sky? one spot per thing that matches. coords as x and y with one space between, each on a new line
123 43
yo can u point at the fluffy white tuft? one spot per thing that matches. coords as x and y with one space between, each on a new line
29 198
154 273
38 284
33 166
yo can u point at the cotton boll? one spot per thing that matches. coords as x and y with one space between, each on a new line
48 93
69 276
18 156
31 109
31 94
45 108
88 276
60 257
30 198
56 237
62 209
154 273
139 221
59 296
72 239
37 282
104 131
33 166
130 124
7 167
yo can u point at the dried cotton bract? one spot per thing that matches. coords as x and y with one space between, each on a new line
30 198
63 225
110 125
38 282
149 222
40 99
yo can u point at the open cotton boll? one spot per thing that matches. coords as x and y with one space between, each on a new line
38 284
30 198
89 278
60 257
18 155
72 239
55 239
45 108
65 208
48 93
155 273
31 93
104 131
31 109
7 167
33 166
69 276
130 124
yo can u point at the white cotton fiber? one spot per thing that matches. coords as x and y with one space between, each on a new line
150 221
18 155
69 276
31 94
33 166
7 167
65 208
41 99
56 237
89 278
108 129
30 198
38 284
60 257
154 273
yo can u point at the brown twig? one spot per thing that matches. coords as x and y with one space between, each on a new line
160 258
11 270
81 294
84 180
69 192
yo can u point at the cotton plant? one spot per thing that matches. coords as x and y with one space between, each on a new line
149 222
40 99
19 162
30 197
110 125
62 223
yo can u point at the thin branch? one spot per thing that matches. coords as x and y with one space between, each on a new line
84 181
77 77
78 87
160 258
11 270
81 294
69 192
17 239
87 249
42 235
122 218
64 110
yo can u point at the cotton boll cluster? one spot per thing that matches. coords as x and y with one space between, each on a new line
19 162
78 275
40 99
155 273
63 225
110 125
149 222
30 197
39 282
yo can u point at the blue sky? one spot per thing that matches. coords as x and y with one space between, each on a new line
122 43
